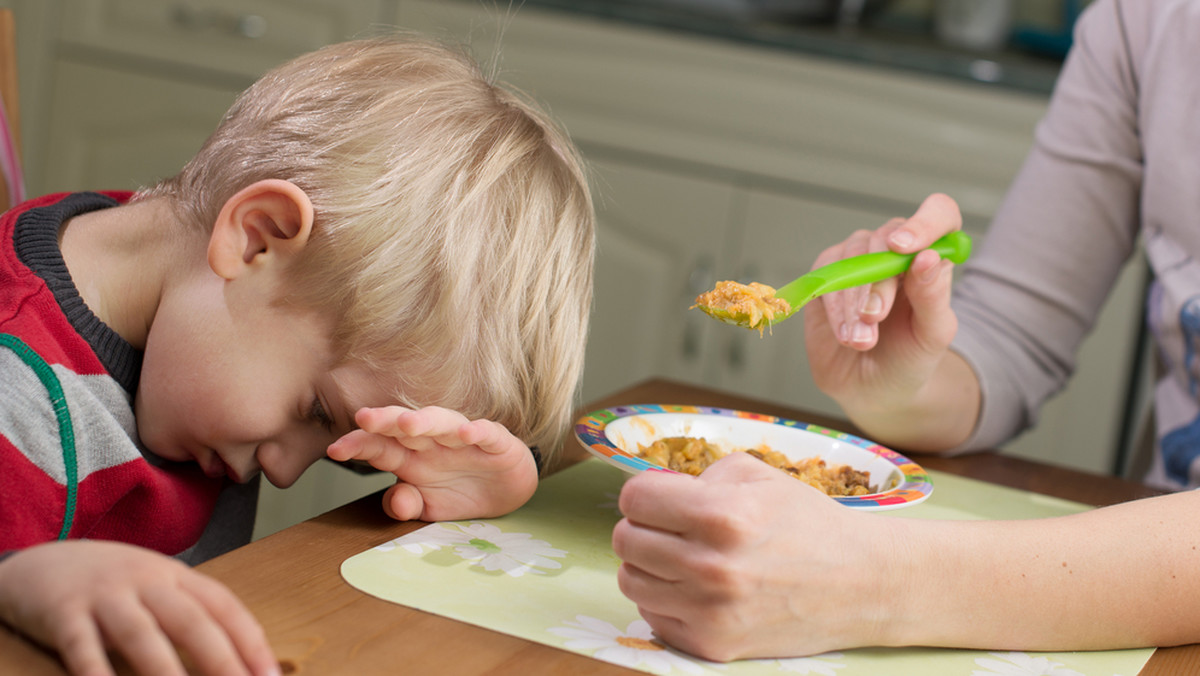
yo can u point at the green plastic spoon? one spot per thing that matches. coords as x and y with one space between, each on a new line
844 274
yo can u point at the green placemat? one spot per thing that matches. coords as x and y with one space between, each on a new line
547 573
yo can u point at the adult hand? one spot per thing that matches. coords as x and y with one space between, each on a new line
85 597
746 561
447 467
882 351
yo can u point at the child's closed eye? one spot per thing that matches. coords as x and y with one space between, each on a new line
317 413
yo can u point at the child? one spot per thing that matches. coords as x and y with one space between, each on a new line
379 255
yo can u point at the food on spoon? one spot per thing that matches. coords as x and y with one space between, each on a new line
753 303
691 455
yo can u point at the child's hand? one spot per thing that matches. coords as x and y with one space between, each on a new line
83 597
447 466
745 561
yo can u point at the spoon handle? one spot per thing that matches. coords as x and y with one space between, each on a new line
867 269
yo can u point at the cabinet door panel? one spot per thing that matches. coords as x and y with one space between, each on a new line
243 37
785 115
117 130
660 237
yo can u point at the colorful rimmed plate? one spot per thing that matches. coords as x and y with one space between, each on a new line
614 434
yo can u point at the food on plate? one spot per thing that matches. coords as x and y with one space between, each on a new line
756 302
691 455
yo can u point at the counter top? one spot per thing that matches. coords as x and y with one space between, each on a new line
902 44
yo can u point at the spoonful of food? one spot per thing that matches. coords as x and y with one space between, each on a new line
758 306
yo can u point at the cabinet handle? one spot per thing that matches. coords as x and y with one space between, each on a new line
250 26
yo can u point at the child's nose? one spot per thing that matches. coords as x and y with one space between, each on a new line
283 463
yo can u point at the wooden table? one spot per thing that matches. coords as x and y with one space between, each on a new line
319 625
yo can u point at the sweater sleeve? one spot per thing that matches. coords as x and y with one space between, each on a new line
1063 233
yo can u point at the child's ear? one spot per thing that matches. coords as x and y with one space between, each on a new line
264 222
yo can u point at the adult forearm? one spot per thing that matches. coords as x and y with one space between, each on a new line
1122 576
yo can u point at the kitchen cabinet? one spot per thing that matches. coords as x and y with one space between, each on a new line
119 129
139 84
661 239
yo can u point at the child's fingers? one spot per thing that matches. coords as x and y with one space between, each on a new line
431 422
249 639
193 630
381 420
382 453
403 502
434 426
490 437
130 629
81 647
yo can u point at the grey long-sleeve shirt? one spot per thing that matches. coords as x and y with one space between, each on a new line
1117 156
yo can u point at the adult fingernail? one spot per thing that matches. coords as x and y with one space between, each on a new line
873 305
843 333
902 238
862 333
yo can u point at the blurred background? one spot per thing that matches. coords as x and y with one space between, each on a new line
729 139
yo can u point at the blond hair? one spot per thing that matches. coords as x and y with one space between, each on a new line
453 237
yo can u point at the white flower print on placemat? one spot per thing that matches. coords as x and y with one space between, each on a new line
818 665
1021 664
636 647
484 545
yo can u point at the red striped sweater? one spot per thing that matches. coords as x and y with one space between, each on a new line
70 462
